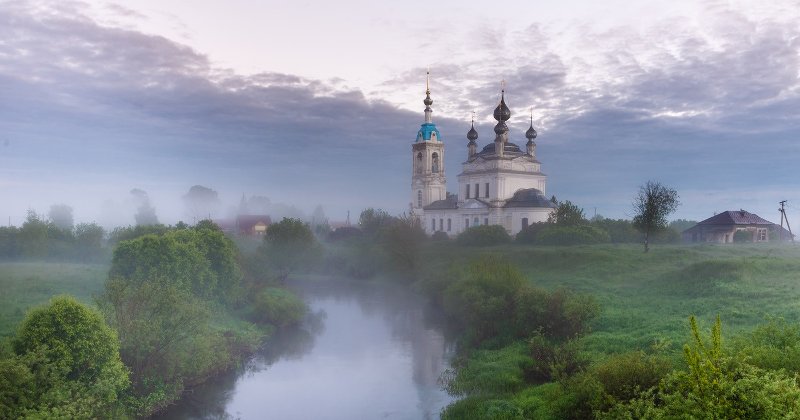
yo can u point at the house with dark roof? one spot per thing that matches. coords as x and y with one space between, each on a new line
252 224
722 228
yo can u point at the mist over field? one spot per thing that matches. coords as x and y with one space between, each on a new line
416 210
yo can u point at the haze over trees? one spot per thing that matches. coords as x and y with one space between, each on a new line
201 202
145 212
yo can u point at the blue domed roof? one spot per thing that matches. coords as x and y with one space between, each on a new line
425 130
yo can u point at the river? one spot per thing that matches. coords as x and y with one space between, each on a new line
363 353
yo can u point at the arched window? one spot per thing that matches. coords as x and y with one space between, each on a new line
475 222
419 162
435 163
419 198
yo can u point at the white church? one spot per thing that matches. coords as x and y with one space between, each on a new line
499 185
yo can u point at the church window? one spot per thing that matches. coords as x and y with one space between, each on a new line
419 162
477 190
435 164
486 190
466 223
419 198
524 223
433 224
467 190
475 222
441 224
486 221
449 225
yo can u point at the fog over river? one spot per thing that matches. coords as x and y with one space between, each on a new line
364 353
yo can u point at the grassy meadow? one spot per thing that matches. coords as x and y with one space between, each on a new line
28 284
646 299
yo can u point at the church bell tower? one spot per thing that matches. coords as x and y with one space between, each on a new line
428 183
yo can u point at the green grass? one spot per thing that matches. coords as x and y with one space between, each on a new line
24 285
648 298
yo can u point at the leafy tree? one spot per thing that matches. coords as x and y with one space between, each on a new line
33 236
201 202
567 214
287 245
164 337
89 240
652 206
72 361
681 224
61 216
9 238
402 240
372 221
484 235
145 212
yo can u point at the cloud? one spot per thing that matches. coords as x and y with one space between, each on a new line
710 102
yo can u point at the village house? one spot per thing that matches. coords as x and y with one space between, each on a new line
745 226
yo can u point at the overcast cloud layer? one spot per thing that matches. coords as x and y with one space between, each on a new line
90 110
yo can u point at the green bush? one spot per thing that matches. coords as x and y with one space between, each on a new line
439 236
482 408
773 346
66 364
624 376
481 299
484 235
715 386
278 307
572 235
553 360
489 372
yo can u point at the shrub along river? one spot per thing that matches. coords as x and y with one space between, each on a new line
363 353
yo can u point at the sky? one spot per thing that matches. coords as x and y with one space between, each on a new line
317 103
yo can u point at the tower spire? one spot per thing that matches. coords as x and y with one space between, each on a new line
531 134
428 101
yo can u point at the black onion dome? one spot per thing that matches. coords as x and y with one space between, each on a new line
502 113
428 101
530 134
472 135
500 128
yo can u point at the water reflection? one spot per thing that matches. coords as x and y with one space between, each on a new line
364 353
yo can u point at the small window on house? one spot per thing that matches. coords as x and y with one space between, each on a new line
419 198
467 190
433 224
449 224
762 235
477 190
486 190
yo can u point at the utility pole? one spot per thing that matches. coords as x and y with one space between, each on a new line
783 216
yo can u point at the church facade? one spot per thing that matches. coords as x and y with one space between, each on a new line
499 185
